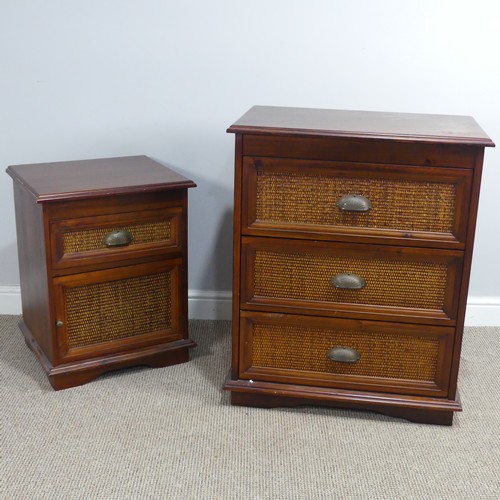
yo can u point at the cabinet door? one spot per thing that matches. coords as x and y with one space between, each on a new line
114 310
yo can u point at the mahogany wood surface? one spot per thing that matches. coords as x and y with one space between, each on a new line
91 178
34 269
462 302
429 148
355 150
236 255
91 195
422 416
362 124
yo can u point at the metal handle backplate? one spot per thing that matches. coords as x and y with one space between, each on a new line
354 203
118 238
343 354
347 281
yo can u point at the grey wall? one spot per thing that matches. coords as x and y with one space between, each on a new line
96 78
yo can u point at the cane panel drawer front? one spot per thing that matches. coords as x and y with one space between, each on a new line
315 351
353 237
421 205
115 236
103 264
411 283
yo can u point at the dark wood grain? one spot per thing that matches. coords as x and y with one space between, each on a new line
464 288
116 204
267 396
34 269
361 150
90 195
95 178
361 124
236 255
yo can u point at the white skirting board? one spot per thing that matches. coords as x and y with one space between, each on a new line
207 304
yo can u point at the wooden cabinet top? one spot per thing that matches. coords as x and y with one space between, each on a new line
93 178
361 124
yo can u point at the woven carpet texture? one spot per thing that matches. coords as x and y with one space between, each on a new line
170 433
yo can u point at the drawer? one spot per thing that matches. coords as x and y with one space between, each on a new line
349 354
115 237
115 310
366 281
423 206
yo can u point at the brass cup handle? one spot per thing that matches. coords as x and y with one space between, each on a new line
118 238
354 203
343 355
348 281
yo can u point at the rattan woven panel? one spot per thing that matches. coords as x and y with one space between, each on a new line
382 354
114 310
285 198
388 283
93 239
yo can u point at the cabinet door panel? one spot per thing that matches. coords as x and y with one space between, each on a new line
114 310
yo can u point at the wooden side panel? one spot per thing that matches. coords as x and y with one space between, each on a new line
31 246
182 291
237 254
462 300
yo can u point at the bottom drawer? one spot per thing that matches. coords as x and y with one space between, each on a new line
114 310
350 354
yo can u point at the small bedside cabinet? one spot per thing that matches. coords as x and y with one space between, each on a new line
353 236
103 263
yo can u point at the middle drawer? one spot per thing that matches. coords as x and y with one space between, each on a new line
366 281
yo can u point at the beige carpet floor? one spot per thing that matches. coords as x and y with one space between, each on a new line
171 433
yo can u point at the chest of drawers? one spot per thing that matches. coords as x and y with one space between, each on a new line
353 237
103 265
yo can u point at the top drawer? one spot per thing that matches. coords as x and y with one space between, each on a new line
115 237
423 206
